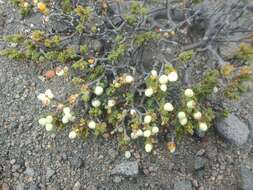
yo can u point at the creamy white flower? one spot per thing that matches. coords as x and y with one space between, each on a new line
191 104
49 119
154 73
65 119
98 90
139 133
189 93
203 126
163 87
129 79
168 107
26 4
132 111
181 115
66 110
147 119
134 135
155 130
49 94
42 97
197 115
147 133
172 76
72 135
92 124
148 147
215 90
127 154
95 103
49 127
59 72
42 121
183 121
149 92
111 103
163 79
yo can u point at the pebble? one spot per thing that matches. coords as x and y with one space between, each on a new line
50 172
129 168
5 186
77 186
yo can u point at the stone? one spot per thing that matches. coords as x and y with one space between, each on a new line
117 179
33 187
128 168
76 162
199 163
19 186
50 172
5 186
233 130
246 178
29 172
77 186
183 185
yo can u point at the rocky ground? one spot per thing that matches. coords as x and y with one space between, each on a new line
32 159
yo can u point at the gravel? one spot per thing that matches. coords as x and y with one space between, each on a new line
31 158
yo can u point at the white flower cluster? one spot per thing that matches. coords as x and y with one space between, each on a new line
92 124
182 118
163 80
72 134
46 97
67 115
98 90
148 147
129 79
47 122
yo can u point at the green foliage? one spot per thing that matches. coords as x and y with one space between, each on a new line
140 39
117 53
206 86
245 52
186 56
237 86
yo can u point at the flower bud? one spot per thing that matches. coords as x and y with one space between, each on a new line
189 93
49 119
72 135
168 107
148 147
147 133
49 127
98 90
147 119
42 121
203 126
190 104
95 103
149 92
129 79
172 76
183 121
181 115
197 115
92 124
154 73
163 79
155 130
163 87
111 103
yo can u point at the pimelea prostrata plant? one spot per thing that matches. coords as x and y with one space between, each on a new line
117 95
